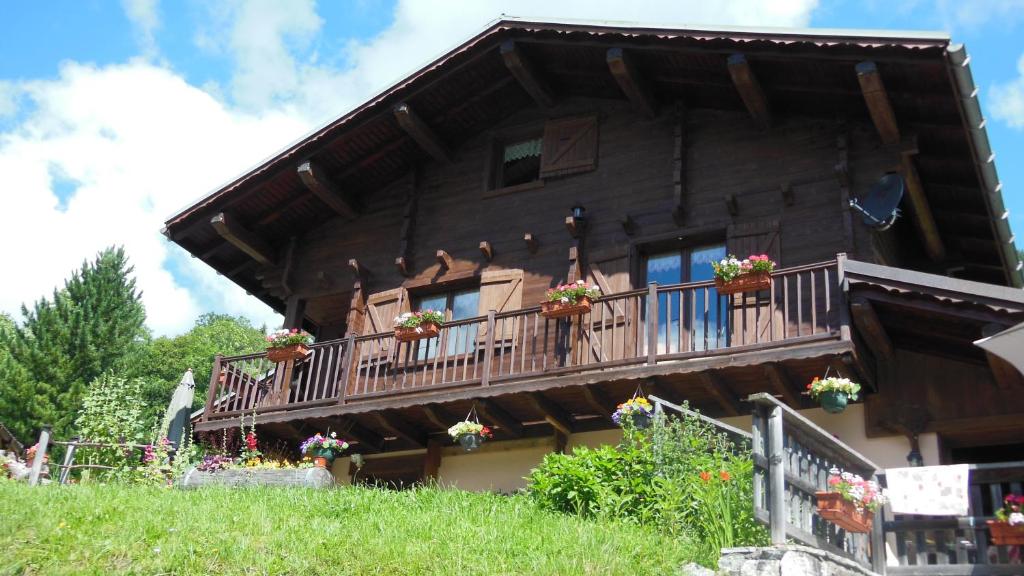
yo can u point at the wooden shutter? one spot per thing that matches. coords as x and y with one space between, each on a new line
382 307
613 323
570 146
752 313
501 291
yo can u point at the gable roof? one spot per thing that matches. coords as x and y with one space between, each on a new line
469 88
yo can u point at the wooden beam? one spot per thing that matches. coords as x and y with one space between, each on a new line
243 239
598 401
787 194
525 73
921 211
632 84
679 165
975 315
424 135
319 184
295 312
402 266
871 329
554 414
368 439
574 226
432 460
561 441
444 259
732 205
401 429
628 225
717 389
438 416
494 414
783 385
1004 374
879 106
487 250
750 90
531 242
359 272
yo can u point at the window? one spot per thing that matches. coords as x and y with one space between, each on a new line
704 325
519 163
525 158
456 305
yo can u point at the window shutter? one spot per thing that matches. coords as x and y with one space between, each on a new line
501 291
570 146
381 309
611 273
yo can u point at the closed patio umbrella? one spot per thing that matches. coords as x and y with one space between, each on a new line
1008 345
180 408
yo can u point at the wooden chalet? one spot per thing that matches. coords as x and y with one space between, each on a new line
631 157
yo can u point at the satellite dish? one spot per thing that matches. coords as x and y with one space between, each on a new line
880 206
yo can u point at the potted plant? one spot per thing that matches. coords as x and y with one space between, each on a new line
850 501
288 345
568 300
413 326
733 276
833 393
470 434
1008 527
323 449
637 410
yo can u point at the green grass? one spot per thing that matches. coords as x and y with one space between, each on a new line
111 529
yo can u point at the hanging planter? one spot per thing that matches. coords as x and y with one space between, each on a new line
413 326
569 300
637 410
323 449
833 392
1008 527
734 276
470 434
470 442
850 502
288 345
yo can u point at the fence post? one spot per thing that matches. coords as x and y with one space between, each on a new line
844 288
37 462
346 370
485 378
776 478
878 560
757 448
652 323
212 392
69 459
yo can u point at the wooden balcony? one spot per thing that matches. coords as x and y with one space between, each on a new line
649 333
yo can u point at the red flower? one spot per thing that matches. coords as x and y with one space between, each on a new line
705 476
725 476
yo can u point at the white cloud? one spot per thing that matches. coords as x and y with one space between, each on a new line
971 15
137 142
1007 100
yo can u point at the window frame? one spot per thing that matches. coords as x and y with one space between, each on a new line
422 348
496 155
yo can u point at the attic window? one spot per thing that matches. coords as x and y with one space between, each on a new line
520 162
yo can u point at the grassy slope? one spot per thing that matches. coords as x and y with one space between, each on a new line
143 530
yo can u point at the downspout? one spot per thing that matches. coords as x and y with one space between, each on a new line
984 159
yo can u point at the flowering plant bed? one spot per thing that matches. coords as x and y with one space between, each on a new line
470 434
850 502
568 300
733 276
412 326
637 410
1008 527
288 345
323 449
833 392
307 476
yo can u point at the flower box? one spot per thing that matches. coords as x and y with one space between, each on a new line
1006 534
287 353
411 334
558 309
749 282
843 513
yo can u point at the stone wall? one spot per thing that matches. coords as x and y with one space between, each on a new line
789 560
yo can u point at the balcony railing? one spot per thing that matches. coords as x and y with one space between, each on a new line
645 326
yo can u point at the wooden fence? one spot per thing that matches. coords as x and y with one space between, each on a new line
71 447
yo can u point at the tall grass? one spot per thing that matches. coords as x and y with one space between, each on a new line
111 529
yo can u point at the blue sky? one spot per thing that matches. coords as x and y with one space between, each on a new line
104 104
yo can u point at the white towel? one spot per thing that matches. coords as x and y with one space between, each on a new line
929 490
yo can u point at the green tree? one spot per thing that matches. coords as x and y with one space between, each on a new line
166 358
89 327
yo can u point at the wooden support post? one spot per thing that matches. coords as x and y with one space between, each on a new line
531 242
1004 374
444 259
243 239
679 166
69 460
314 179
211 392
485 378
487 250
842 172
424 135
575 267
759 447
877 539
525 73
776 478
921 211
346 370
561 441
574 226
782 384
750 90
432 460
652 323
720 393
554 414
632 84
289 261
877 100
492 413
40 456
732 205
294 312
408 224
871 329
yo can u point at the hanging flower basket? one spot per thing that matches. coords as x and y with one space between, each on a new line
1006 534
833 393
834 401
470 434
564 310
844 513
470 442
637 410
421 332
750 282
287 353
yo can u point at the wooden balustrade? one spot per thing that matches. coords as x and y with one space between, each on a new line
644 326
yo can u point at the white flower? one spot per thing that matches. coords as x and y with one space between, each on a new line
564 300
1015 518
580 282
334 434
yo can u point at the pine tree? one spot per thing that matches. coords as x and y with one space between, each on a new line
89 327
